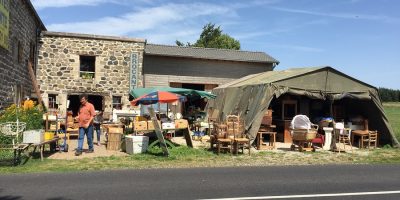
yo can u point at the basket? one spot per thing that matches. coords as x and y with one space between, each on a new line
12 128
303 135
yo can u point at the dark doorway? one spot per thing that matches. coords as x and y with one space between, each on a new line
193 86
194 103
74 103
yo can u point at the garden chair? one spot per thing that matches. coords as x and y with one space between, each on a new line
343 135
372 139
235 127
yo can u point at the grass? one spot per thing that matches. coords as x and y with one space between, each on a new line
392 111
183 157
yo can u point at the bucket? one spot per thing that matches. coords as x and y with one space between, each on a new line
136 144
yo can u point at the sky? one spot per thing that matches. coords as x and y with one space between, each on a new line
360 38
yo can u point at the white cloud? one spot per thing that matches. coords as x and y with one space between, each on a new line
383 18
167 18
42 4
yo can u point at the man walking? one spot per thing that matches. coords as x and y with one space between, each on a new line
85 119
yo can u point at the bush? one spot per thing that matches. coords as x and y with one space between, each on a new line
28 113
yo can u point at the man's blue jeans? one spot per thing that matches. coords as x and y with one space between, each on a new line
98 131
89 135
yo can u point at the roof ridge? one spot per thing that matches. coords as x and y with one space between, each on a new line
166 45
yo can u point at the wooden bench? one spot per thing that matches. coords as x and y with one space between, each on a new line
18 149
43 144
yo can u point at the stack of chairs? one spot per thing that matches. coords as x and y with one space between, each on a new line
230 135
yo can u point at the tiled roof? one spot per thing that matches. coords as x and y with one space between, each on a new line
209 53
92 36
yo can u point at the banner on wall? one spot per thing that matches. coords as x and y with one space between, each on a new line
4 23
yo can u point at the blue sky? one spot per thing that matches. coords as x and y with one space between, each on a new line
358 37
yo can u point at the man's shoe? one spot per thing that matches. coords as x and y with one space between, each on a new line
90 151
98 144
78 153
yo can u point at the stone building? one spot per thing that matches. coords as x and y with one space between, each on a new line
107 68
103 67
20 27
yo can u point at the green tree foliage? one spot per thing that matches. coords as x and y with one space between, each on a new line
212 37
389 95
33 117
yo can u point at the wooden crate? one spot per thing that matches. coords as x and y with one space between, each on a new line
114 141
150 125
114 137
115 129
181 123
113 145
140 126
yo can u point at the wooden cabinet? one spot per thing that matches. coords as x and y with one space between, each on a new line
283 131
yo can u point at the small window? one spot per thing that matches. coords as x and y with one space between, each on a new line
20 52
32 53
117 103
289 109
87 66
53 101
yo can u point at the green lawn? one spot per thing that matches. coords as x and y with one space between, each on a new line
392 111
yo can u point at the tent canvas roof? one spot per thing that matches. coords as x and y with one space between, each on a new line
250 96
313 78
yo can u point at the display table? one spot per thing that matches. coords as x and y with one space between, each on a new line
363 134
43 144
261 145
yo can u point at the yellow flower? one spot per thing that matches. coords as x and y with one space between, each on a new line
28 104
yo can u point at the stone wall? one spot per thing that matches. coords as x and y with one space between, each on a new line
58 69
23 28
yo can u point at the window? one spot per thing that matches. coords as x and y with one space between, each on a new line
116 102
20 52
289 109
87 66
53 101
32 53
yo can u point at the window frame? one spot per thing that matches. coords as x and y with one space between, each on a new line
54 104
91 71
114 105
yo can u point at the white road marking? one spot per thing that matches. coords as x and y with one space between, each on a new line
310 195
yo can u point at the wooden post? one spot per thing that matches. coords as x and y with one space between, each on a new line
35 85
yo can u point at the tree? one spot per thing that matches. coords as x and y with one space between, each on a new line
212 37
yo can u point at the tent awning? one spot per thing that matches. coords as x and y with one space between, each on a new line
137 92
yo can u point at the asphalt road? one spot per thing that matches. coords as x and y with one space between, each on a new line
284 182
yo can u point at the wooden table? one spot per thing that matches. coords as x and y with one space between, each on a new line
364 134
42 145
272 137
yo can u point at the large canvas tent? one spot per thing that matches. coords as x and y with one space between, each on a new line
251 96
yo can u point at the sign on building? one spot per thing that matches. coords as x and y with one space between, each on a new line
133 71
4 23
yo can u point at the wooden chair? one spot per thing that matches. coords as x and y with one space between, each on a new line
372 139
343 136
266 128
72 128
235 127
212 131
223 140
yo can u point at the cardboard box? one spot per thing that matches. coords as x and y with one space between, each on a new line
181 123
136 144
150 125
33 136
140 125
48 135
168 125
